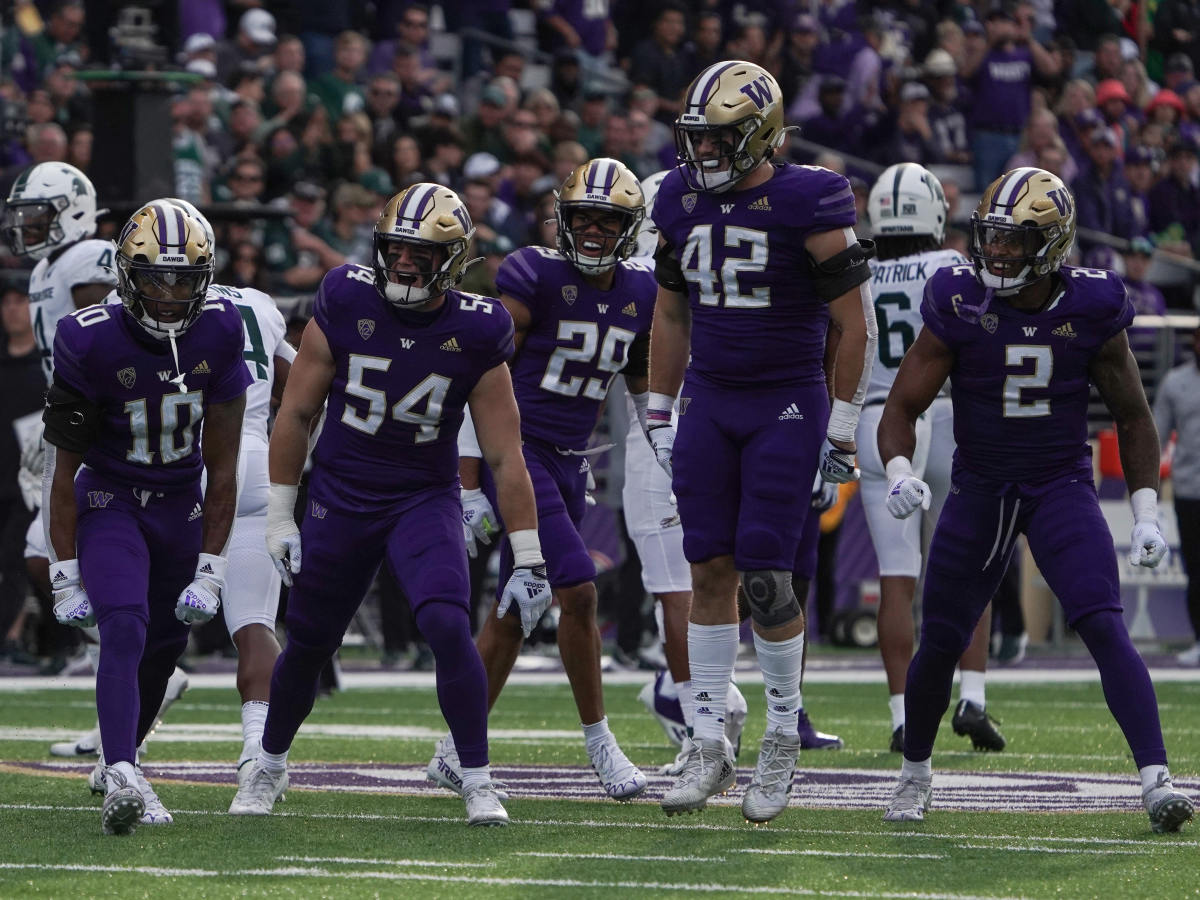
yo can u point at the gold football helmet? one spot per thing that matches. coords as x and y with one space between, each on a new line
738 107
164 266
606 188
421 242
1022 230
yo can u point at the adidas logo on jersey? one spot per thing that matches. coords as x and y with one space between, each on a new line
1065 331
452 345
202 368
630 309
196 513
792 412
760 205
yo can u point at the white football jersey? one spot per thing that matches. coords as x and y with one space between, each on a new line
86 262
897 287
265 329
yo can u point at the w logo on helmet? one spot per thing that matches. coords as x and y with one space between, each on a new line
759 91
1062 200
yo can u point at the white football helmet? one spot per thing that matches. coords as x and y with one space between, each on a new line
907 199
647 236
51 205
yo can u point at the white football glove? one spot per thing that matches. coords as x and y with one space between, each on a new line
1147 546
662 439
283 535
479 519
71 604
824 494
530 588
201 599
837 465
906 492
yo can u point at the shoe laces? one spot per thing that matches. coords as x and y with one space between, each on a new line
262 779
1163 782
909 791
698 764
776 764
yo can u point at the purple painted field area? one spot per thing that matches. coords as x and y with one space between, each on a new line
821 788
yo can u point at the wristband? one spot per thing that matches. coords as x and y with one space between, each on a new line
281 502
526 548
658 408
1145 505
843 421
898 467
210 567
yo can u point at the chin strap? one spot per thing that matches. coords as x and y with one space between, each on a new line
178 379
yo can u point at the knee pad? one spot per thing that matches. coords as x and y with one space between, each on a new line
769 593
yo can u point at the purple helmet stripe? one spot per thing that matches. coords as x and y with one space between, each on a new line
1006 195
700 95
180 228
162 227
416 203
601 176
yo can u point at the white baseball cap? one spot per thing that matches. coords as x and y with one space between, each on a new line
258 25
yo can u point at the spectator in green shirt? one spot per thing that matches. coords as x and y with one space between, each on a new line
339 89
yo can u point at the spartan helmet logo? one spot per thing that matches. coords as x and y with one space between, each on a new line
366 328
127 377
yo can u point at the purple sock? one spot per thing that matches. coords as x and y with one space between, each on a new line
461 681
1127 686
166 640
927 690
122 638
293 693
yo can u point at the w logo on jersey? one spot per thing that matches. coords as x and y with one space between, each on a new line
759 91
99 499
319 511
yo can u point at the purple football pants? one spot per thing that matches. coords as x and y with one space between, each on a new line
137 552
422 537
1073 548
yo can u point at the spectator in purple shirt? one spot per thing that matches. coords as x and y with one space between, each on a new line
1001 79
1175 201
583 25
1102 195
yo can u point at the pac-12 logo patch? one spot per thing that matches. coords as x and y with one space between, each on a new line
127 377
689 202
366 328
570 293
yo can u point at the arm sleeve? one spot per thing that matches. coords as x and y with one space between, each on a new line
638 362
468 443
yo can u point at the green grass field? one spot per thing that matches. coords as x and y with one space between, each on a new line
358 837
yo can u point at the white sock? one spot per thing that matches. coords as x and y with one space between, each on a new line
687 703
594 735
254 720
780 663
475 776
971 687
273 762
896 705
126 769
712 652
1150 776
922 771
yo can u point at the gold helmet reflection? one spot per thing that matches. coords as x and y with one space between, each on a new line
605 185
424 215
737 95
1031 208
164 266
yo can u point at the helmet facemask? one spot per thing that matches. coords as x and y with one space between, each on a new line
605 237
31 227
732 160
1017 253
422 274
164 299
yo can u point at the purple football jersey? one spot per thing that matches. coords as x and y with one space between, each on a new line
578 340
1020 380
399 386
150 425
755 318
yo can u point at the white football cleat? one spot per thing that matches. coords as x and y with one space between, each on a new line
665 709
484 806
155 813
445 769
621 779
767 795
708 771
85 745
735 718
1169 809
123 805
96 780
910 801
257 795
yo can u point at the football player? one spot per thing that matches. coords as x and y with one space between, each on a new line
252 596
756 261
582 315
132 385
398 353
908 213
51 218
1021 338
